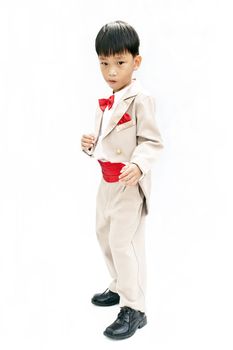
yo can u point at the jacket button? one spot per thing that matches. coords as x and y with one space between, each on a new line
118 151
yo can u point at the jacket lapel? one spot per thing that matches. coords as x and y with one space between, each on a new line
98 121
121 108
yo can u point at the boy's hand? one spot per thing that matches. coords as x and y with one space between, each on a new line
87 141
130 174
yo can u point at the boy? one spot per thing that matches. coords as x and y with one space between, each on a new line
126 143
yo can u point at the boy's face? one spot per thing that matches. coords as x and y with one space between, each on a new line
117 70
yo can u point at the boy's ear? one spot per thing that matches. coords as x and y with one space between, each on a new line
137 61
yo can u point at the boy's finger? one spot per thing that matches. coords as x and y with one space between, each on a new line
88 141
124 174
128 170
89 137
124 168
129 181
86 145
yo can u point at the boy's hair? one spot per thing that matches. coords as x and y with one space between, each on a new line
116 38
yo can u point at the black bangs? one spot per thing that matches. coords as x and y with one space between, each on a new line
116 38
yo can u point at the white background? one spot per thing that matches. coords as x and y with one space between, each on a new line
50 261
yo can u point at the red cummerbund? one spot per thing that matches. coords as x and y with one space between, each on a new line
111 171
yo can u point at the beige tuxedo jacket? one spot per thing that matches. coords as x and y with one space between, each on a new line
138 140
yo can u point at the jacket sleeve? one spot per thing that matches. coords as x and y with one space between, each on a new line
149 141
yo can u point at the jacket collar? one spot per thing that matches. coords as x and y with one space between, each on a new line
133 90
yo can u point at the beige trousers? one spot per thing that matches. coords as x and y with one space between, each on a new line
120 221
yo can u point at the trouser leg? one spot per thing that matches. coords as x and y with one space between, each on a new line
127 244
103 229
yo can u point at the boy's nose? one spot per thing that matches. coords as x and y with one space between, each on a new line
112 73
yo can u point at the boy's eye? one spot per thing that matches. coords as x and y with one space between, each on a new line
104 63
120 62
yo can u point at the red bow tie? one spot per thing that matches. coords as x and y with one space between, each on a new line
106 102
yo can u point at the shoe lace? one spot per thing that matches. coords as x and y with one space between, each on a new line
123 312
104 291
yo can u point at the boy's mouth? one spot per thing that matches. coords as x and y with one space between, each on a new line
112 81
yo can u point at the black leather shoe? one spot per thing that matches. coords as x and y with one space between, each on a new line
126 324
107 298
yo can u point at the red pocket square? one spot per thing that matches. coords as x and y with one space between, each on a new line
126 118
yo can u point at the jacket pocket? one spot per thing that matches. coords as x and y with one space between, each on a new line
125 125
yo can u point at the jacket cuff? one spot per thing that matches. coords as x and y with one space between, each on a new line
88 152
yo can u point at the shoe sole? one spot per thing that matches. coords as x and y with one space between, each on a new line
104 305
121 337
